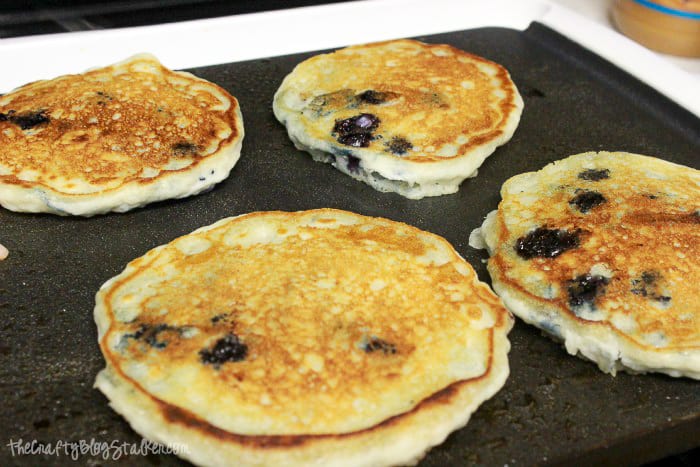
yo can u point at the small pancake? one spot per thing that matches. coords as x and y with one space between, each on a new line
402 116
115 138
600 250
317 337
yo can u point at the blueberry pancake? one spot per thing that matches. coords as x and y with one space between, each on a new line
311 338
115 138
402 116
600 251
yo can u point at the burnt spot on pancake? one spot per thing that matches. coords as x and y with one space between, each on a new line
584 289
184 148
546 243
149 334
356 131
372 97
375 344
647 285
25 120
586 200
594 175
399 146
227 349
375 97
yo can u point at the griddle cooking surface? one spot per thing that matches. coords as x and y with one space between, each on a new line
554 408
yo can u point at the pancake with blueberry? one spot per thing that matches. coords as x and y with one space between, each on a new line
600 251
115 138
311 338
402 116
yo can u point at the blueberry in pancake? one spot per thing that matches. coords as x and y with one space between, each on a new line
600 251
310 338
402 116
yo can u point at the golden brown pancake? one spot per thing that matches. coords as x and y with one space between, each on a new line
601 250
400 115
115 138
319 336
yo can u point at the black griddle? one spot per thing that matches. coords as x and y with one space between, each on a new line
554 409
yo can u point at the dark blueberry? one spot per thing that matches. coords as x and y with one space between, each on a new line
399 145
353 163
151 335
649 277
136 335
28 120
374 344
647 286
363 123
585 288
184 148
546 243
3 117
217 318
227 349
651 196
356 140
356 131
586 200
594 175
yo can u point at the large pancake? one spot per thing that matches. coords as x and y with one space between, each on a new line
320 337
401 115
601 250
115 138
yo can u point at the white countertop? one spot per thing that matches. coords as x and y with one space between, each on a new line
242 37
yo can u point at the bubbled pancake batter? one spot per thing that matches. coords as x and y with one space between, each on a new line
121 127
299 323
